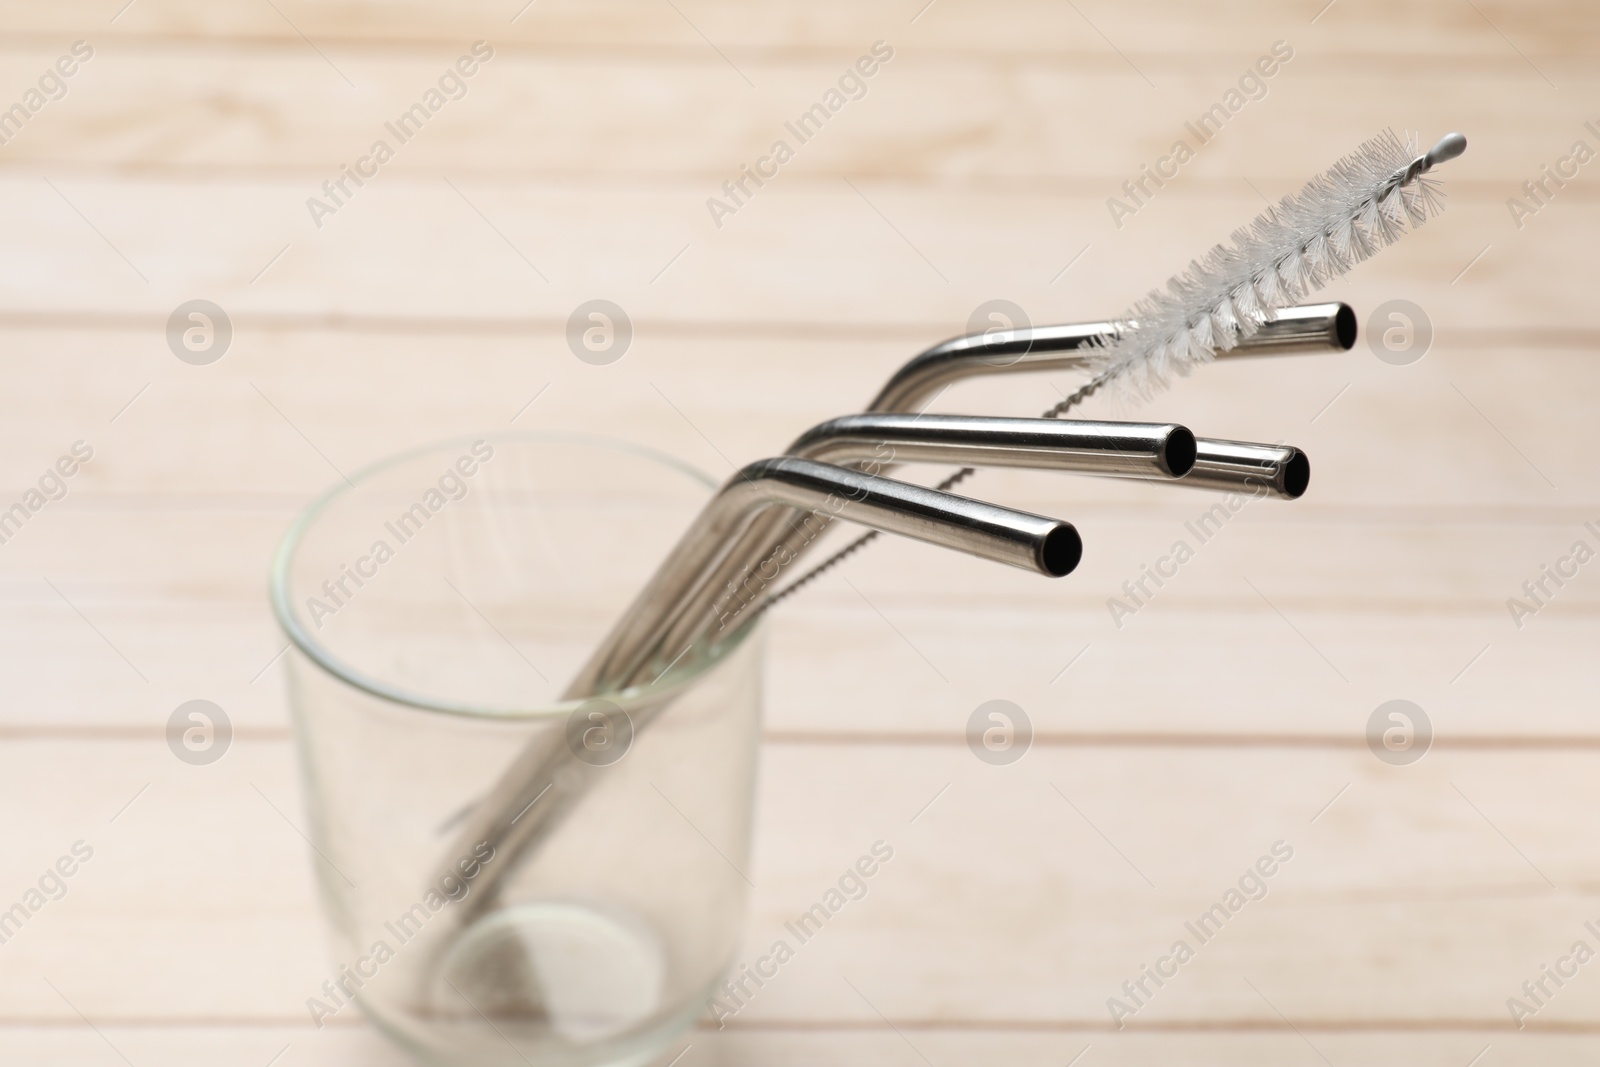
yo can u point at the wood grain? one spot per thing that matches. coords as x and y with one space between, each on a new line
1123 847
1227 713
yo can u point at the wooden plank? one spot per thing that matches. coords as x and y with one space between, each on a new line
413 253
285 411
1228 714
49 1046
1209 656
912 1046
165 537
1017 896
210 109
1151 31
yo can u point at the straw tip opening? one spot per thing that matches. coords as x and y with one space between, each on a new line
1061 550
1345 327
1296 475
1179 452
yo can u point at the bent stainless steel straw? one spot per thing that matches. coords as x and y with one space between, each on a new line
1366 201
549 773
876 441
1328 327
777 540
1307 328
505 817
972 526
1282 470
1130 448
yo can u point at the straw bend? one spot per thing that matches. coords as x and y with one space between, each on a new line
778 537
777 489
1327 327
508 817
1131 448
1032 542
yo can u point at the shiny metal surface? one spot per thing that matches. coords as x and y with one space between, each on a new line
777 538
1326 327
1129 448
777 528
1307 328
1282 470
549 772
972 526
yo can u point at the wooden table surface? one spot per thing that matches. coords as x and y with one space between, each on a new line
1170 752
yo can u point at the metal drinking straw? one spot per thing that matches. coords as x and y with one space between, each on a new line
1224 466
1282 470
1306 328
548 773
875 441
1141 449
774 541
540 767
529 798
775 482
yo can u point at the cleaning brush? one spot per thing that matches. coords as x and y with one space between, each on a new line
1360 205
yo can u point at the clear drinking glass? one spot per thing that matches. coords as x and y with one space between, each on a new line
436 604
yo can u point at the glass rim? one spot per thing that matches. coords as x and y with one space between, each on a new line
667 686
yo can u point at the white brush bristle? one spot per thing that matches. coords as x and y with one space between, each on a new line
1340 218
